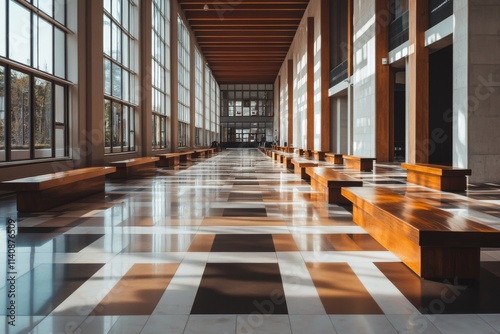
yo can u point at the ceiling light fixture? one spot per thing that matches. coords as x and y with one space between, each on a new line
205 8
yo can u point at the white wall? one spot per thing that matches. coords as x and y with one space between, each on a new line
364 78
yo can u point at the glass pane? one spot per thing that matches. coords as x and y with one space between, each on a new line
107 76
116 72
116 10
60 53
117 126
60 113
2 113
125 16
116 43
106 31
43 118
107 5
45 46
19 34
107 123
46 6
125 128
3 28
125 86
125 50
60 11
19 114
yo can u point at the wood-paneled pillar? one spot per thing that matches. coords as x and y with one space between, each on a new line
146 106
310 83
325 75
94 76
290 103
382 83
350 38
174 73
418 85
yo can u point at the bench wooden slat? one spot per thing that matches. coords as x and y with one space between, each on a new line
44 192
135 167
335 158
432 242
329 183
299 167
444 178
363 164
46 181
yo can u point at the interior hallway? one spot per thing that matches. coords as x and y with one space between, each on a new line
233 244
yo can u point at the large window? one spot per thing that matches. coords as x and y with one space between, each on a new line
208 113
198 108
33 92
120 74
184 85
247 100
161 74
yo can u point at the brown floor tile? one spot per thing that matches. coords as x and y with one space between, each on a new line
244 212
243 243
447 297
284 243
242 221
202 243
240 288
139 290
340 290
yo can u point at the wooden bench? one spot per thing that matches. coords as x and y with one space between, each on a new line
358 163
334 158
286 159
432 242
168 159
135 167
444 178
329 183
300 165
203 152
319 155
299 151
308 154
44 192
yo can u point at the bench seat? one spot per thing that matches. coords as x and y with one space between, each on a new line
44 192
319 155
334 158
300 165
136 167
432 242
329 183
443 178
361 164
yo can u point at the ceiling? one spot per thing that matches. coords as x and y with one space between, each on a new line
244 41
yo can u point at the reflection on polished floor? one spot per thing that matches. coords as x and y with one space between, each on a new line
233 244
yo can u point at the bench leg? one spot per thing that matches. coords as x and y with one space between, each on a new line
43 200
450 263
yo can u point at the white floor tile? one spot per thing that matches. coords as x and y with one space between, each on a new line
301 294
492 319
263 324
93 325
387 296
461 324
59 324
242 257
350 257
211 324
171 324
19 325
366 324
412 324
129 324
311 324
179 296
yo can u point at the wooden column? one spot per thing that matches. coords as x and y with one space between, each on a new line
382 82
325 75
94 76
146 106
174 74
192 92
418 85
290 103
350 38
310 83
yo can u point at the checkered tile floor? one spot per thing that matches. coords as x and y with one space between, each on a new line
233 244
